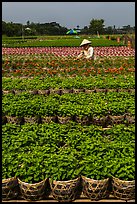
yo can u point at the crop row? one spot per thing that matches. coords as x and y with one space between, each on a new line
49 65
59 42
65 72
92 104
49 60
63 152
73 51
126 81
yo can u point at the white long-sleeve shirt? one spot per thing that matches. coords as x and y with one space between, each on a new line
87 53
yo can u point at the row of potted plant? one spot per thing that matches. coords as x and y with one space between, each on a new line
125 81
65 151
82 104
68 191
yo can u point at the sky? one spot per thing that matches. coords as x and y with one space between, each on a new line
70 14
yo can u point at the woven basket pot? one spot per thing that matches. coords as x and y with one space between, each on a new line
95 189
11 119
64 120
78 90
10 188
29 120
44 92
65 191
46 119
36 191
124 190
84 120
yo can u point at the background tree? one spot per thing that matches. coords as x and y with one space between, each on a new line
11 29
85 30
96 25
108 30
28 23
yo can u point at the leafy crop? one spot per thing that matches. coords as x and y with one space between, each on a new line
95 104
62 152
57 42
108 81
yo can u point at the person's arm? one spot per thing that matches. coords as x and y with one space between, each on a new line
90 53
80 55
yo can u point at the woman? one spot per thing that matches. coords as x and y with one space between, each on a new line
88 51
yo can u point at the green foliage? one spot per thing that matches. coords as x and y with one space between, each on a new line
96 25
63 152
58 42
68 83
17 29
95 104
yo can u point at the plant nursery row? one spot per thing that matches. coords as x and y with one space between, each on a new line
121 81
70 104
34 152
63 152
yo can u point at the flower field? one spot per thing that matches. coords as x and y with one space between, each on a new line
62 62
63 117
71 51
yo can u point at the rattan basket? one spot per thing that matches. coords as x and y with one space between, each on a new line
10 188
124 190
65 191
84 120
64 120
95 189
36 191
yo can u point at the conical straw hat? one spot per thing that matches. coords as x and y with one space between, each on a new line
84 42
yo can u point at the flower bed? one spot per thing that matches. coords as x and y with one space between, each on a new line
49 65
67 51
